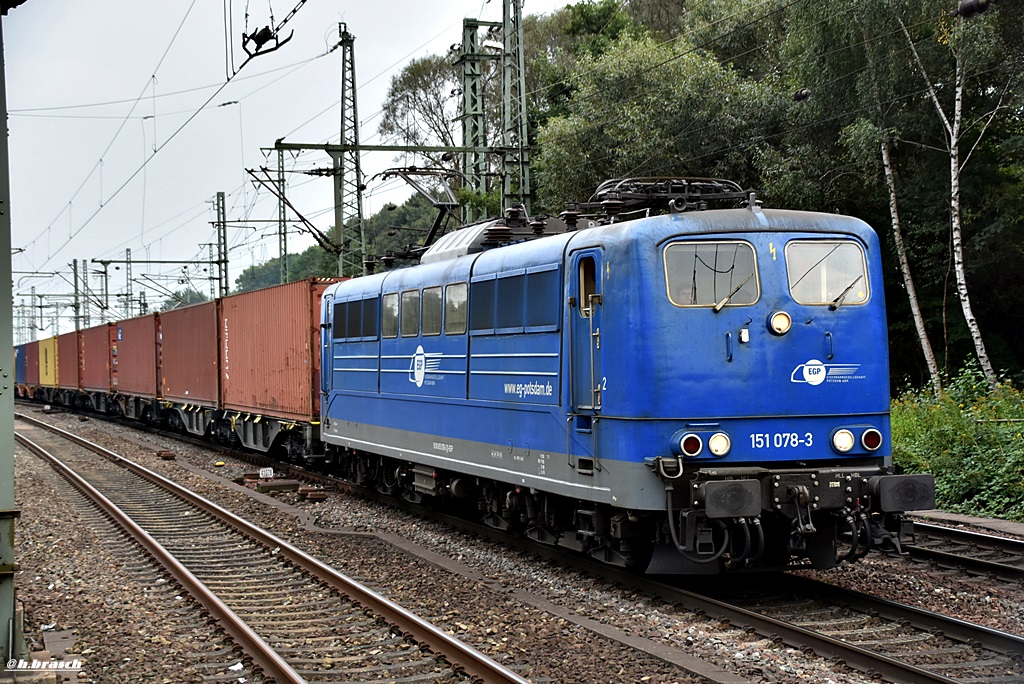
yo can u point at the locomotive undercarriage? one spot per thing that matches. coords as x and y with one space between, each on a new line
611 535
756 519
740 519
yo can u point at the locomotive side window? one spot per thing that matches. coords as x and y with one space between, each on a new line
370 316
455 296
410 313
517 301
432 311
340 322
512 298
354 325
355 319
588 284
827 273
703 274
389 315
542 299
481 306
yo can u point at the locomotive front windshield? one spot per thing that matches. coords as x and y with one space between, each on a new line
706 273
828 272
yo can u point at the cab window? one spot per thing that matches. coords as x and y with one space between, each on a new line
827 272
389 315
410 313
455 296
431 304
706 274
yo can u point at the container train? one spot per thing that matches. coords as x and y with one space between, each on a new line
650 379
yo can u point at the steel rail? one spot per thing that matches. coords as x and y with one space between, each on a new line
857 657
263 656
472 662
962 630
967 562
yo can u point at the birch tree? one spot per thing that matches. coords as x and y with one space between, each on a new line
835 45
972 46
885 150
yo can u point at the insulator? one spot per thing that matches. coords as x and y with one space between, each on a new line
969 8
262 37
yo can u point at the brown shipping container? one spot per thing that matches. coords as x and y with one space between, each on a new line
269 360
133 354
95 369
188 343
32 364
67 360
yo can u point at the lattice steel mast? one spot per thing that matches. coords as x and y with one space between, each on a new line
515 155
474 133
348 177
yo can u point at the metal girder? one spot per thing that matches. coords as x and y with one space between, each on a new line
348 180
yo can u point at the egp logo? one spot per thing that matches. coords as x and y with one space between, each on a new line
418 367
813 372
422 363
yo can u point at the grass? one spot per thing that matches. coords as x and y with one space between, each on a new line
969 437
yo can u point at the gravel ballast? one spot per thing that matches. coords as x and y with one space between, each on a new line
525 612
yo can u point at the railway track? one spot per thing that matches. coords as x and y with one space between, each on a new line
899 642
972 552
896 642
886 639
893 641
297 619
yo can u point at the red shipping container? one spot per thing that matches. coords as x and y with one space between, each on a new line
269 350
68 361
32 364
133 356
188 344
95 355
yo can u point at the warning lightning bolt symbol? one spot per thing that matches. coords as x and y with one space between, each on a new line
771 248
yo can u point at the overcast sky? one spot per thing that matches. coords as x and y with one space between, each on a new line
94 87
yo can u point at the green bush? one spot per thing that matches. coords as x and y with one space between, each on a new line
969 437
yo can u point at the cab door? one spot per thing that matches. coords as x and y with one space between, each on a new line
585 332
326 345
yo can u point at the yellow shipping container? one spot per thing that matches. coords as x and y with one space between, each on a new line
48 362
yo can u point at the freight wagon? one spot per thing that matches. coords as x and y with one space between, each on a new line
244 369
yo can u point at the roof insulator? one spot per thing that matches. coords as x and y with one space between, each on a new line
970 8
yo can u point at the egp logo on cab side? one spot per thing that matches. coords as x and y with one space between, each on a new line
422 363
814 372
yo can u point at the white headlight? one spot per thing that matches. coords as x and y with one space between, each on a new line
719 444
843 441
780 322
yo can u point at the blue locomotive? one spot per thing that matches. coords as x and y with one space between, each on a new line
650 380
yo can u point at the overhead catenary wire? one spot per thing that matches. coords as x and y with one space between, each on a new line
120 128
175 133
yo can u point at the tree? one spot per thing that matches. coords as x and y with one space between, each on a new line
972 47
391 229
832 44
644 108
184 297
314 262
423 106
